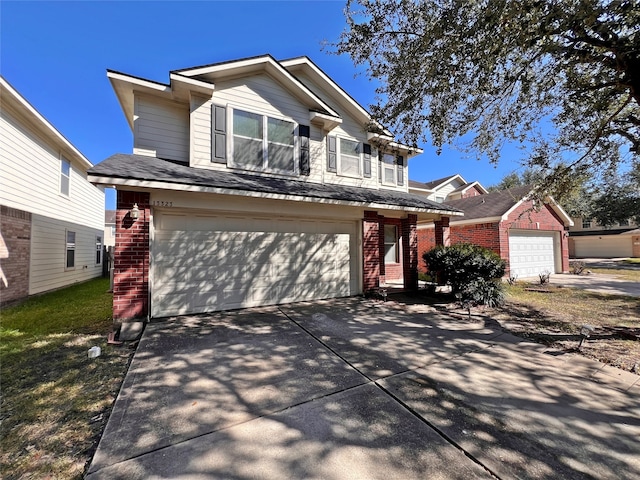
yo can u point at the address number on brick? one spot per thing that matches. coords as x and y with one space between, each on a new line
161 203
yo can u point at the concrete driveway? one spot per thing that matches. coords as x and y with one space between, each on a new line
361 389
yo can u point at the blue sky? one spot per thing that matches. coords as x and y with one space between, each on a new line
56 55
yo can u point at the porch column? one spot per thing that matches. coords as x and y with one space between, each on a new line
410 251
131 258
442 232
371 250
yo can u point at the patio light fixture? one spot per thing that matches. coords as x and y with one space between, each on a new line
135 212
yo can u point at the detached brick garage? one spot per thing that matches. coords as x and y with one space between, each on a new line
532 238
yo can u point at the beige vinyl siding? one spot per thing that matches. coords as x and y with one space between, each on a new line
161 128
602 246
23 153
48 254
200 119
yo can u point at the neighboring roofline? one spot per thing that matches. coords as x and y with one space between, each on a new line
447 180
470 221
48 128
466 187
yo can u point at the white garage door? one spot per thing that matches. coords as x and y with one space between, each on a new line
604 246
205 263
531 253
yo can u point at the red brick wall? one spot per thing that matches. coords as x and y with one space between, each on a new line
495 236
472 192
410 252
371 250
131 268
426 241
15 227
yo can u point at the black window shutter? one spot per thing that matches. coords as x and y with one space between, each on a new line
219 137
366 149
304 132
400 161
332 164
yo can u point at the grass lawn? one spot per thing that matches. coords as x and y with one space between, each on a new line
554 316
55 400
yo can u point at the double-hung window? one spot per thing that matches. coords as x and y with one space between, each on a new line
391 169
263 143
70 256
65 176
391 250
349 158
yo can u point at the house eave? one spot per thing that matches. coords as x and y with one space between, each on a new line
11 97
161 185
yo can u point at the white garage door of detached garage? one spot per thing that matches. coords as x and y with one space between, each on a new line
204 263
532 252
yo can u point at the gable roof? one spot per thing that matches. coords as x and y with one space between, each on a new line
11 97
150 172
203 79
467 186
497 206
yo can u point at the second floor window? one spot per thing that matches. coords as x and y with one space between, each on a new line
586 223
65 176
349 163
263 143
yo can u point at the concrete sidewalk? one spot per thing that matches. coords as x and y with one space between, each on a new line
354 388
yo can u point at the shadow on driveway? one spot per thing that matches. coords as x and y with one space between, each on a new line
353 388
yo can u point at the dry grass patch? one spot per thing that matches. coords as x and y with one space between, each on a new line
554 316
55 400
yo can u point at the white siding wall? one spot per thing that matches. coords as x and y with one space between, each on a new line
30 181
48 254
161 128
30 178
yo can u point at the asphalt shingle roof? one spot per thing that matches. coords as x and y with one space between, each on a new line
489 205
145 168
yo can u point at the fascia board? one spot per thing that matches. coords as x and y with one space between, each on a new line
191 84
449 180
506 214
257 64
475 184
124 86
150 184
24 107
568 221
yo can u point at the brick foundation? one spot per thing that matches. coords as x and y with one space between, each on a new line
131 266
15 254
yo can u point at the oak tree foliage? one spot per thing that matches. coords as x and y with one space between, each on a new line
560 78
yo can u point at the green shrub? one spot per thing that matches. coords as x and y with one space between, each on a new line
473 272
459 264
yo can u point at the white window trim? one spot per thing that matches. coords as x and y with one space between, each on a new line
339 158
385 166
100 241
231 163
66 249
396 245
62 161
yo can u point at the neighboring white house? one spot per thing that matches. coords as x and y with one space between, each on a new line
255 182
453 187
52 218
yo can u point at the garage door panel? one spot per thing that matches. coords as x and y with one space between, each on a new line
531 253
215 262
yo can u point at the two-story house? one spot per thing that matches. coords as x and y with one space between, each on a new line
256 182
587 238
51 223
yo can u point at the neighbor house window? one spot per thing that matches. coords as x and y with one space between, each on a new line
391 244
98 250
65 176
263 143
439 199
71 250
586 223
